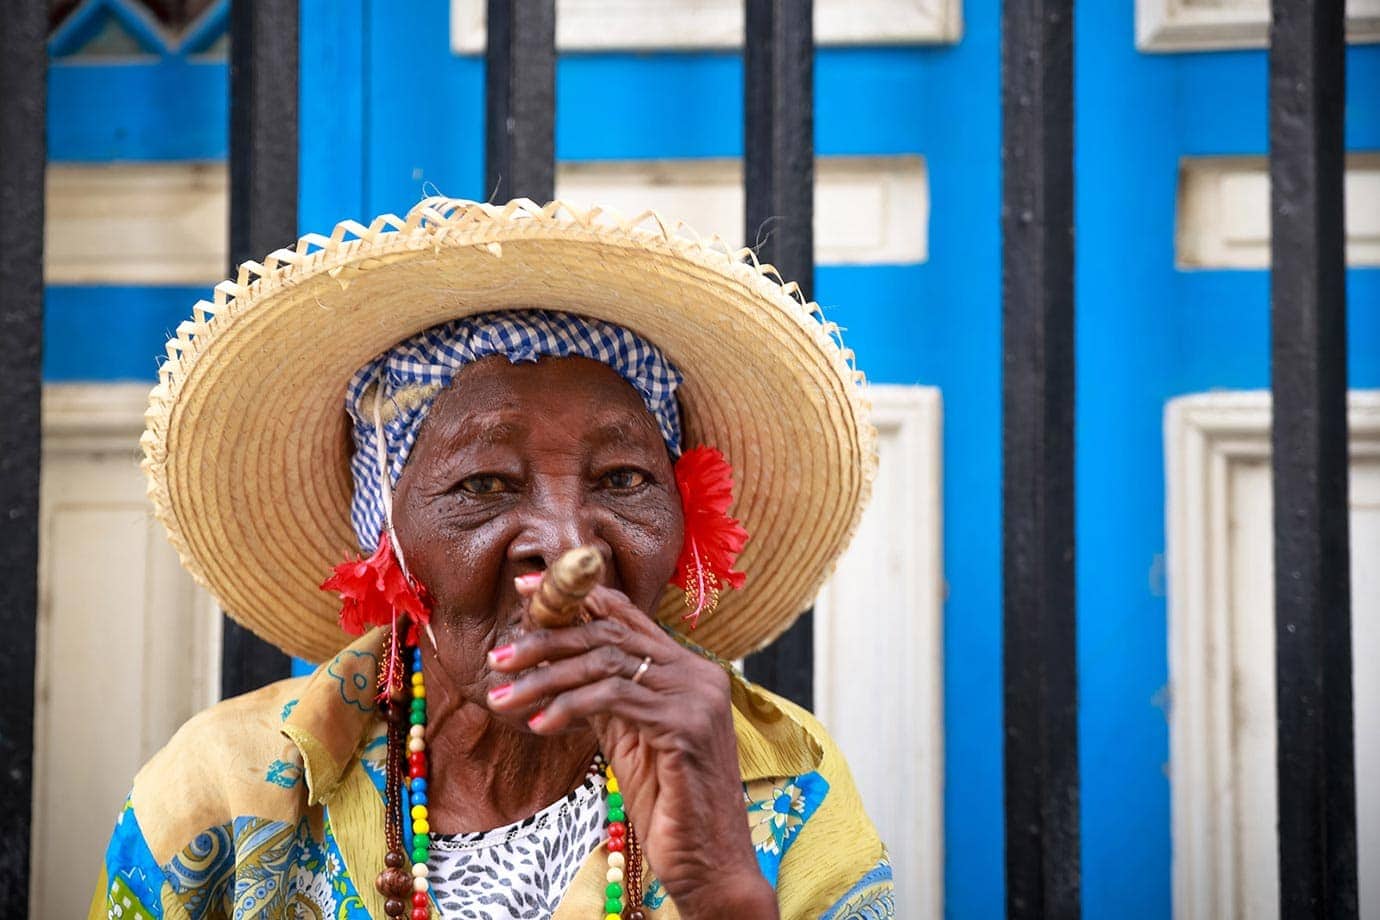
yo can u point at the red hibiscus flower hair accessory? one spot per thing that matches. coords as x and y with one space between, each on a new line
380 591
713 540
376 591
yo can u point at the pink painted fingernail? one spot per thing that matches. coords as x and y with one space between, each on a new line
500 692
530 580
501 655
535 722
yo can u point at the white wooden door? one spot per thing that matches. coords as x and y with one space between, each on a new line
128 646
1222 668
1253 633
879 664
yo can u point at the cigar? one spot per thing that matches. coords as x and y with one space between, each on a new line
565 584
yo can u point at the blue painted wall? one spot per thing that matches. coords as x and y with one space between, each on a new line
387 108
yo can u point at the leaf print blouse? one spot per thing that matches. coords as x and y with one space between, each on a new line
271 805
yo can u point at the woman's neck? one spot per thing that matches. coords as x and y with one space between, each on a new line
486 773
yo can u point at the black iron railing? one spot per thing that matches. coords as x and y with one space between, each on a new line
1040 673
779 176
263 217
520 94
1313 684
23 96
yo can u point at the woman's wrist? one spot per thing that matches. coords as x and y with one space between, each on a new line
746 895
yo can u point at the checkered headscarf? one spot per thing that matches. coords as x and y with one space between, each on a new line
413 372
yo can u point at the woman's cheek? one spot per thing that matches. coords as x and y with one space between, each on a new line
649 536
460 566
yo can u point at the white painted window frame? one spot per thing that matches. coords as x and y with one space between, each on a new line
911 416
1205 435
166 223
137 223
1222 217
678 25
1193 25
869 210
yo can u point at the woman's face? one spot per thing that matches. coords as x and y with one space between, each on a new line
514 465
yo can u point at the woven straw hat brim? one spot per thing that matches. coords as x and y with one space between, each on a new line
247 446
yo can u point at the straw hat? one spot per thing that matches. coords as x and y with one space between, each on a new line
247 446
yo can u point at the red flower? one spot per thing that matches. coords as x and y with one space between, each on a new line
374 591
713 540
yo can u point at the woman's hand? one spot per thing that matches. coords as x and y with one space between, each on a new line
669 736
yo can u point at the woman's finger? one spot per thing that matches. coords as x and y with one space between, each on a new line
612 696
604 603
538 686
549 645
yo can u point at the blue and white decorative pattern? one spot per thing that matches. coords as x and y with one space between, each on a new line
777 810
414 371
872 897
135 881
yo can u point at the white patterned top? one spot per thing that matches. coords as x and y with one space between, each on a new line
520 870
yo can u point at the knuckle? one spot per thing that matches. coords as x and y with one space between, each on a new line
687 744
608 661
611 690
616 631
535 640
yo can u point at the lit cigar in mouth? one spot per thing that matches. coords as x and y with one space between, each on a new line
566 583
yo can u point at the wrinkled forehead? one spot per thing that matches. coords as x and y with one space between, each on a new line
577 399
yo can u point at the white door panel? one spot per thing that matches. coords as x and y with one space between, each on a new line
879 673
128 646
1222 668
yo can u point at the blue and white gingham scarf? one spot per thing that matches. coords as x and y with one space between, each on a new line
414 371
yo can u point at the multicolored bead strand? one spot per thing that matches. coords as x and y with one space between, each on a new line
395 883
624 875
634 874
416 777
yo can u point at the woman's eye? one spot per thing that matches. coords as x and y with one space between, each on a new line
625 479
483 485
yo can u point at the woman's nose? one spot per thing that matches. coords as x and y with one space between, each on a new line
554 525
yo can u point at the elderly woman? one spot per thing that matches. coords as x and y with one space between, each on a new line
517 383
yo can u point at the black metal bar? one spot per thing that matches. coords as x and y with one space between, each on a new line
23 104
1040 673
520 99
779 175
263 217
1313 679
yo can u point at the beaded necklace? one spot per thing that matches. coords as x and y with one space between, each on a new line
623 889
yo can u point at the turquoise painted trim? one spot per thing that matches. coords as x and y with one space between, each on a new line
332 147
111 333
207 30
1219 105
173 109
86 20
171 105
